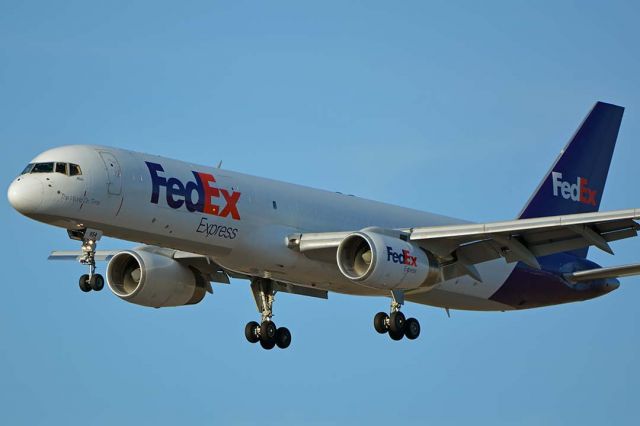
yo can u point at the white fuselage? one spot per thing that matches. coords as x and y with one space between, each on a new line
245 224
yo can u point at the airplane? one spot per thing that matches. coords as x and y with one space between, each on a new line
200 225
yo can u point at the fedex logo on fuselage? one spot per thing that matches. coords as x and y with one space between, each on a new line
403 258
207 195
578 191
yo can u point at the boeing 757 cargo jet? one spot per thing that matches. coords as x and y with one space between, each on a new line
200 225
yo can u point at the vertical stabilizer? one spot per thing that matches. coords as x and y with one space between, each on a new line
575 182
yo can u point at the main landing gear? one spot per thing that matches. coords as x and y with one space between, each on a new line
266 332
395 323
90 281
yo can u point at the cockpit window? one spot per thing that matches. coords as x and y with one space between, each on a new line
64 168
61 168
27 169
42 168
74 170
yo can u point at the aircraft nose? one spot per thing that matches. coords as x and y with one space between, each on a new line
25 194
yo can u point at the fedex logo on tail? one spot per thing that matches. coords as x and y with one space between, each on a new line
403 258
209 199
578 191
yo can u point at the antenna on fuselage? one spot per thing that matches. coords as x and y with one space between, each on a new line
219 165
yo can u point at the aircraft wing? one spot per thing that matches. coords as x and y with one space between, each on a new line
210 270
101 255
459 247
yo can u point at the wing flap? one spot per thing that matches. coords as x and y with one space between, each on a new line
300 290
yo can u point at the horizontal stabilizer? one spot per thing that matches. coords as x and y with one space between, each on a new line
602 273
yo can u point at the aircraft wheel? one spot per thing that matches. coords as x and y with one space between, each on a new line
396 335
96 282
250 332
396 322
267 331
380 322
84 283
283 337
268 345
412 329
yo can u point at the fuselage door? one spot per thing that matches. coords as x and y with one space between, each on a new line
114 173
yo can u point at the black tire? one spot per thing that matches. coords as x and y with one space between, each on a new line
283 338
380 322
84 283
267 331
268 345
250 332
396 322
96 282
412 329
395 335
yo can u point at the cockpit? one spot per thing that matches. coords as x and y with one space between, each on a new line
68 169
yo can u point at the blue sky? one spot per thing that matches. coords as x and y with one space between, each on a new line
453 108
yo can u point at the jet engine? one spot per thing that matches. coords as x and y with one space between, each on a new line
152 279
386 262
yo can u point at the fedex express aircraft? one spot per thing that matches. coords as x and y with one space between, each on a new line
200 225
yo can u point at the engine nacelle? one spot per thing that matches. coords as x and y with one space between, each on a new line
386 262
152 279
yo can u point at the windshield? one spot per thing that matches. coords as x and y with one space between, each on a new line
27 169
62 168
42 168
74 170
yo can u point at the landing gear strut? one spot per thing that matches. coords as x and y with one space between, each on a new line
395 323
90 281
266 332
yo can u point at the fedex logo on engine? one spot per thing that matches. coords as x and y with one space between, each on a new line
206 193
578 191
403 258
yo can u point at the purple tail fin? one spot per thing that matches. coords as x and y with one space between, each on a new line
575 182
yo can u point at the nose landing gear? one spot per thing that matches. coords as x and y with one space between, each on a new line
90 281
266 332
395 323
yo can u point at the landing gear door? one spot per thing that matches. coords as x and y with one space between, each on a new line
113 172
